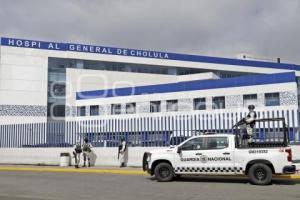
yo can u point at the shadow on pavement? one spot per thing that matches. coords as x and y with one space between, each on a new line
206 179
286 182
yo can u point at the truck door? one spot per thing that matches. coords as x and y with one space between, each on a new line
219 155
188 159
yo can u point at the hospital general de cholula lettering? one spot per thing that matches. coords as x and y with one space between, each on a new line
117 51
82 48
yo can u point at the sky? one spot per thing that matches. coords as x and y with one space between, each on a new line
220 28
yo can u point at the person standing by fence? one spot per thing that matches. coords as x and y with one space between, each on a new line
122 152
87 150
77 151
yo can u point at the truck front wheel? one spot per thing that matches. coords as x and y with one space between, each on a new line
260 174
164 172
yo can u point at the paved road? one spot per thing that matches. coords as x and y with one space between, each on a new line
73 186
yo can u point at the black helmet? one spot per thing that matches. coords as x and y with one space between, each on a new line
251 107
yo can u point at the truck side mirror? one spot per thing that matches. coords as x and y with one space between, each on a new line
179 149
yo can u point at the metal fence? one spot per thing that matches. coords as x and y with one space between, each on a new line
159 130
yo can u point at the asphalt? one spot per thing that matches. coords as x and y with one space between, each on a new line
31 185
111 170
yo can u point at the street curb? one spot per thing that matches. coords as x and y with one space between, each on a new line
73 170
122 172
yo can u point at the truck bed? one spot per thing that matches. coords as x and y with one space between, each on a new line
264 145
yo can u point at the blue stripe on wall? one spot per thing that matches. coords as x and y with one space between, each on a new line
231 61
23 43
190 86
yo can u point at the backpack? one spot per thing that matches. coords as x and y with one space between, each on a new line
86 148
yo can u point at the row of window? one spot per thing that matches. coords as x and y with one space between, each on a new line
115 109
271 99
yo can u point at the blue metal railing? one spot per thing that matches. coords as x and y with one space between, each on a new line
140 131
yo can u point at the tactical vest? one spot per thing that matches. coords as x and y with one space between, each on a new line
249 116
78 149
86 148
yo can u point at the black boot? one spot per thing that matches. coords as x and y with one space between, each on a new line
84 161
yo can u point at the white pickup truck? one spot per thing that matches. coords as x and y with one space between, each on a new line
219 154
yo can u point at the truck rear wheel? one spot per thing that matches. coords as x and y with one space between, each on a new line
164 172
260 174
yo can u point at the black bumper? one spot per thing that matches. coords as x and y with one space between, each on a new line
289 169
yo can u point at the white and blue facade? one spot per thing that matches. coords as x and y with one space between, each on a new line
270 90
116 90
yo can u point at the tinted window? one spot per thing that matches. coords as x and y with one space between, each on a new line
172 105
272 99
249 99
94 110
218 102
81 111
155 106
216 142
130 108
193 144
116 109
199 104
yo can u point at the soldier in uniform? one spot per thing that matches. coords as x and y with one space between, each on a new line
122 152
250 122
87 150
77 151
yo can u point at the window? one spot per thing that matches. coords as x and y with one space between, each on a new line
115 109
193 144
217 143
94 110
249 99
199 104
218 102
56 110
155 106
172 105
272 99
58 89
81 111
130 108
